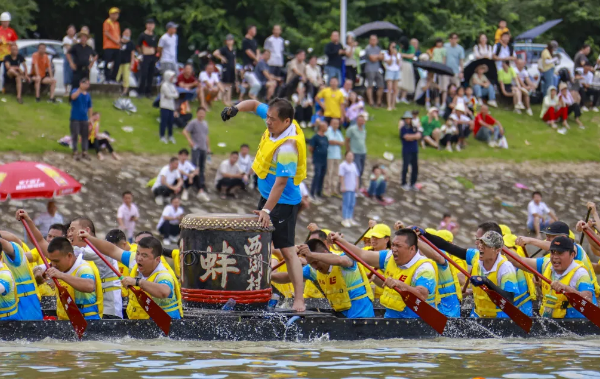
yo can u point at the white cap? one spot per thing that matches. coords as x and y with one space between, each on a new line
5 16
460 108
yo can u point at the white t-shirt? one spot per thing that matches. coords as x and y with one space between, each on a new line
169 48
395 66
67 42
171 176
482 51
304 190
227 168
522 74
187 167
540 209
213 79
463 119
506 268
349 172
170 211
245 163
503 53
124 212
588 78
275 45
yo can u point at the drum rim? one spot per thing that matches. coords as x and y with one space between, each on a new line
224 222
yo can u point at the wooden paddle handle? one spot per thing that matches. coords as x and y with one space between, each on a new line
587 218
362 262
278 265
448 259
117 273
592 236
39 249
514 256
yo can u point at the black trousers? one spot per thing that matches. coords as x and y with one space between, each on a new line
350 74
111 55
587 94
99 142
412 160
199 160
169 230
195 183
576 109
79 74
229 183
147 74
303 114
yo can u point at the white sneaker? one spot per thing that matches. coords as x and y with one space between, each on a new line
581 127
303 124
159 200
595 109
529 111
449 147
184 195
353 223
172 140
403 100
562 131
406 187
457 147
203 196
166 241
585 109
517 111
492 144
520 106
346 224
164 140
493 103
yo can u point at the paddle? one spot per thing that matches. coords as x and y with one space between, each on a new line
77 320
587 218
362 236
506 306
585 306
425 311
156 313
592 236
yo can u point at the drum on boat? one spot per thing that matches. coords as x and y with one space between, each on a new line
225 256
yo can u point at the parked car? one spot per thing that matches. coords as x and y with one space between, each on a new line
55 50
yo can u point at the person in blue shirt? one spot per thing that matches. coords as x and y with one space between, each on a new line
410 137
81 113
318 146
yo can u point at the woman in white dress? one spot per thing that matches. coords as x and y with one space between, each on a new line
482 49
392 74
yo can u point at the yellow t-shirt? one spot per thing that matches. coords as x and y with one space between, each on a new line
546 56
499 33
507 77
333 100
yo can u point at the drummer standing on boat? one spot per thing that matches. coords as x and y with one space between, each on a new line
280 165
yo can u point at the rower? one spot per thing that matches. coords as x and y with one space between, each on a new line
45 287
567 274
488 267
340 278
286 290
525 280
148 274
8 293
379 240
80 277
404 269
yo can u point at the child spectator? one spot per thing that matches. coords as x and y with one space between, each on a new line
448 223
355 106
501 30
127 56
127 215
81 112
449 133
168 94
98 140
349 176
378 183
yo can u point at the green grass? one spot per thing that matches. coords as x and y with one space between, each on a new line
465 182
33 127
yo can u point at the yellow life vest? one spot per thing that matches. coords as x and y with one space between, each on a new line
263 164
559 303
311 291
10 300
60 310
44 289
30 266
164 262
528 278
484 307
587 264
336 290
176 254
454 283
287 289
124 270
377 291
136 312
392 299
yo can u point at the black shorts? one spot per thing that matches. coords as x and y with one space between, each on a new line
228 75
283 217
508 88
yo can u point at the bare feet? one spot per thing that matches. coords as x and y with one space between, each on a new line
116 157
100 157
299 305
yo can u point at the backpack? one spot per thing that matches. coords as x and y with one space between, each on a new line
498 46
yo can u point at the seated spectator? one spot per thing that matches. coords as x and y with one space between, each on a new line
314 75
570 102
553 109
471 101
331 99
168 225
190 174
539 215
586 90
303 104
250 84
98 140
427 91
449 223
211 83
230 178
354 106
459 100
431 128
378 183
264 76
487 129
523 77
449 133
296 73
15 70
482 87
190 86
450 103
41 72
509 86
168 182
245 162
482 49
463 124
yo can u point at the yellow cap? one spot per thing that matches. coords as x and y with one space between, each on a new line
381 231
431 231
505 230
571 235
368 234
114 10
510 240
326 231
446 235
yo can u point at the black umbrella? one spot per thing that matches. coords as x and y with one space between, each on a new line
435 67
379 28
492 73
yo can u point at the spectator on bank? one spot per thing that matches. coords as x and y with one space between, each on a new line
407 83
431 126
249 49
346 89
502 29
245 161
264 75
230 178
296 74
527 86
449 133
127 56
334 51
352 58
111 44
354 106
190 174
196 133
331 99
377 183
276 46
415 44
146 44
15 71
168 94
450 102
548 62
482 87
168 182
410 137
455 57
314 75
81 112
44 220
463 124
41 72
168 225
488 129
504 52
303 106
128 215
67 42
356 142
81 58
392 74
210 82
167 49
227 55
567 99
438 54
482 50
509 86
318 146
91 42
539 216
349 184
188 84
449 223
589 95
427 91
373 76
581 58
334 157
553 110
98 140
7 35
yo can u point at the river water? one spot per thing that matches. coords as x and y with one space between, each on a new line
440 358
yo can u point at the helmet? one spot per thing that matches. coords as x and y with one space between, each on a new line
5 16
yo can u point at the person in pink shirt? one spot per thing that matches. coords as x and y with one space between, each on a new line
127 215
448 223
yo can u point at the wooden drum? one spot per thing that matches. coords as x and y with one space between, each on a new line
225 256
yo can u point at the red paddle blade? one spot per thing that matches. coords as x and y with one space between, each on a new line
426 312
511 311
156 313
586 307
77 321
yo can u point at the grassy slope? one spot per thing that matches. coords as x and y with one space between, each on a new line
36 128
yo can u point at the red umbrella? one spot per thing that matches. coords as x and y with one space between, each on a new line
29 180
